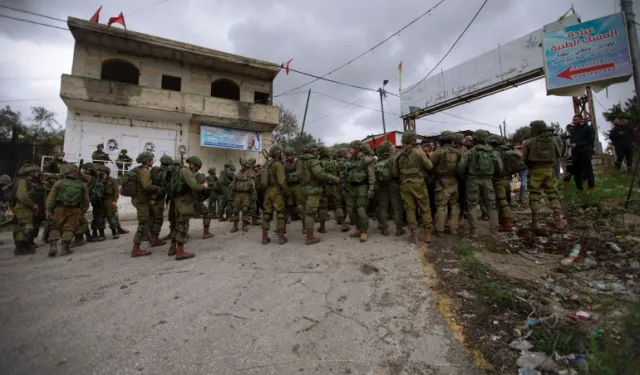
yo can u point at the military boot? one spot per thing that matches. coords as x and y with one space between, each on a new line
385 230
265 237
181 254
400 231
344 227
206 234
53 248
310 238
426 235
535 220
22 248
364 236
322 228
94 233
122 231
156 241
172 249
101 236
66 249
304 230
506 225
32 247
235 226
438 234
413 238
473 232
254 221
560 222
136 251
282 239
89 237
146 237
114 234
78 241
355 234
244 225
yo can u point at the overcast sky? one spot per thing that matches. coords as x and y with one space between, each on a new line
319 35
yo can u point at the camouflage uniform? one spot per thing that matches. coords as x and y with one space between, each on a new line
244 190
64 213
388 191
225 203
411 165
479 179
110 202
123 162
311 176
212 180
199 208
273 179
99 157
294 199
331 198
445 161
88 174
254 210
158 199
28 209
540 153
501 185
360 183
142 201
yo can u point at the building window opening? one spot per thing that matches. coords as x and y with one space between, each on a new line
226 89
261 97
120 71
171 82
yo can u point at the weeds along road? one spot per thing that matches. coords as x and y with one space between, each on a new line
237 308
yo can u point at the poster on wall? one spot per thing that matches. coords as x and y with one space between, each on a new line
234 139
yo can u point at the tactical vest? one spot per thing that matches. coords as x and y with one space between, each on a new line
330 167
542 149
409 165
448 159
290 172
70 193
243 182
356 173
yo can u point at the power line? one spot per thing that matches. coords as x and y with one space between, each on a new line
350 103
596 98
145 8
343 108
452 46
25 100
466 119
369 50
34 22
33 13
328 80
395 117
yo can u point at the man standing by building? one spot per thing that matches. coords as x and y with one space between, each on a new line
273 179
540 153
501 183
621 137
123 162
412 165
582 143
99 157
27 210
388 190
244 191
212 180
111 196
479 165
225 203
361 182
445 161
199 209
143 200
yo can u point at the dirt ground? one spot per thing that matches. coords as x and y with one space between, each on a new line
237 308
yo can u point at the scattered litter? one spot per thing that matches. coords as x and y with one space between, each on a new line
495 338
560 290
580 315
530 360
589 262
521 344
613 246
543 240
466 295
528 256
454 271
617 286
573 255
634 264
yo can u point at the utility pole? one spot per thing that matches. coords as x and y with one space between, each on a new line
627 9
304 118
504 127
384 126
500 127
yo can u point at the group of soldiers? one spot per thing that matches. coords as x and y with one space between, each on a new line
308 186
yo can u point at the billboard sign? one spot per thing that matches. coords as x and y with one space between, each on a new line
507 63
234 139
595 51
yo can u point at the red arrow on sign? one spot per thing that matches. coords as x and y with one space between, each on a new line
570 72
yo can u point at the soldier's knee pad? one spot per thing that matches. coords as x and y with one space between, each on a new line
267 216
361 211
280 215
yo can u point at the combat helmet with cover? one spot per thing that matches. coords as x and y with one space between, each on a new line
480 136
166 160
288 151
447 136
495 140
212 171
538 127
144 157
356 144
275 152
309 147
195 161
409 137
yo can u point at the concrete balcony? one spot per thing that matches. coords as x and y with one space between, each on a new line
126 100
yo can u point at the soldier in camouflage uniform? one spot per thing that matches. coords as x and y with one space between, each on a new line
445 162
146 191
67 201
294 199
479 165
244 190
311 176
171 202
184 203
540 153
225 203
501 185
212 180
388 190
361 181
254 210
332 196
273 179
411 165
199 208
28 209
157 201
111 196
88 175
99 157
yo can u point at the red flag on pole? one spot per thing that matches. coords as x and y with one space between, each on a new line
119 19
286 66
96 16
400 66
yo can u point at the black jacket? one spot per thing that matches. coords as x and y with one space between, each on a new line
584 138
621 135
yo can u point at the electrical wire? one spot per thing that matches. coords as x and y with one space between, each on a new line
395 117
350 103
147 7
328 80
466 119
340 109
34 22
25 100
452 46
32 13
369 50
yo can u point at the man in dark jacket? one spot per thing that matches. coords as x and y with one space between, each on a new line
621 137
582 145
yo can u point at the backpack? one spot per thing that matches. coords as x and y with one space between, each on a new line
70 193
173 183
264 174
11 192
96 190
543 149
513 162
129 183
482 161
447 161
157 176
383 170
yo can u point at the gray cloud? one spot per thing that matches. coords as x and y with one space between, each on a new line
319 35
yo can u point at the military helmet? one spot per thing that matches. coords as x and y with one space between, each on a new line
100 145
195 161
144 157
104 169
458 138
538 127
5 179
309 147
384 148
289 150
447 136
123 151
212 170
480 136
166 160
275 151
495 140
356 144
68 170
409 137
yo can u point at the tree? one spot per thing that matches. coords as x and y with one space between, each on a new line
11 126
520 135
287 128
628 109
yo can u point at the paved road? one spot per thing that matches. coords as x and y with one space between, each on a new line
237 308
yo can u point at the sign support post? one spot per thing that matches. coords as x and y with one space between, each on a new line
634 47
304 118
